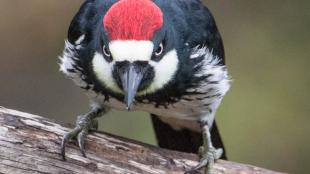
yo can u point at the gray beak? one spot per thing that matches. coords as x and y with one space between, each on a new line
131 80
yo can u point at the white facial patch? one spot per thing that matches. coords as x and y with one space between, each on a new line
103 71
131 50
164 71
135 51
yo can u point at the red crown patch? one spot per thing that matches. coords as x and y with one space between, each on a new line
133 20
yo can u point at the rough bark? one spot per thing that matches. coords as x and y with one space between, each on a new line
31 144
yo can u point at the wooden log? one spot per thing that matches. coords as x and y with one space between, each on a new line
30 144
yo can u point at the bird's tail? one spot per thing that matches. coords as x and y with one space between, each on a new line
183 140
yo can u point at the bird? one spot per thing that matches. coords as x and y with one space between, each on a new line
162 57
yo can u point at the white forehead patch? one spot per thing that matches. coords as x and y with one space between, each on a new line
131 50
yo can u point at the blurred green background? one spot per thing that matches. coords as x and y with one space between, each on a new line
264 119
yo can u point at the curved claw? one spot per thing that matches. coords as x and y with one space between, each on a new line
81 141
202 163
83 124
207 160
65 140
63 149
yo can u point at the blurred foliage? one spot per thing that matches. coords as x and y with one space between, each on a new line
264 118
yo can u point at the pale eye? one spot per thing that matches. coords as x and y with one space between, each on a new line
106 51
159 50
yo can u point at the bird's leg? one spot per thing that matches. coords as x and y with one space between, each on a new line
207 153
83 124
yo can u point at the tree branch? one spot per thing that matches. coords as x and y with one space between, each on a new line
31 144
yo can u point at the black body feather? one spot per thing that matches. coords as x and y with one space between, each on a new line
201 30
188 24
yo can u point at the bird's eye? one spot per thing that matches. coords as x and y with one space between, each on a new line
106 51
159 50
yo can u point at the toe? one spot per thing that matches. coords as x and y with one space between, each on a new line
67 137
202 163
209 167
81 140
207 160
63 148
218 153
95 124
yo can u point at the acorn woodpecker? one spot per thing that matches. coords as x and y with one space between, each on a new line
162 57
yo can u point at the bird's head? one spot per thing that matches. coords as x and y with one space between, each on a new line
136 55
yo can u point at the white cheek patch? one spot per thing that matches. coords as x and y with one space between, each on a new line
131 50
164 71
103 71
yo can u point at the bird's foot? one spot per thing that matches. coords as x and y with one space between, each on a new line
84 123
207 157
